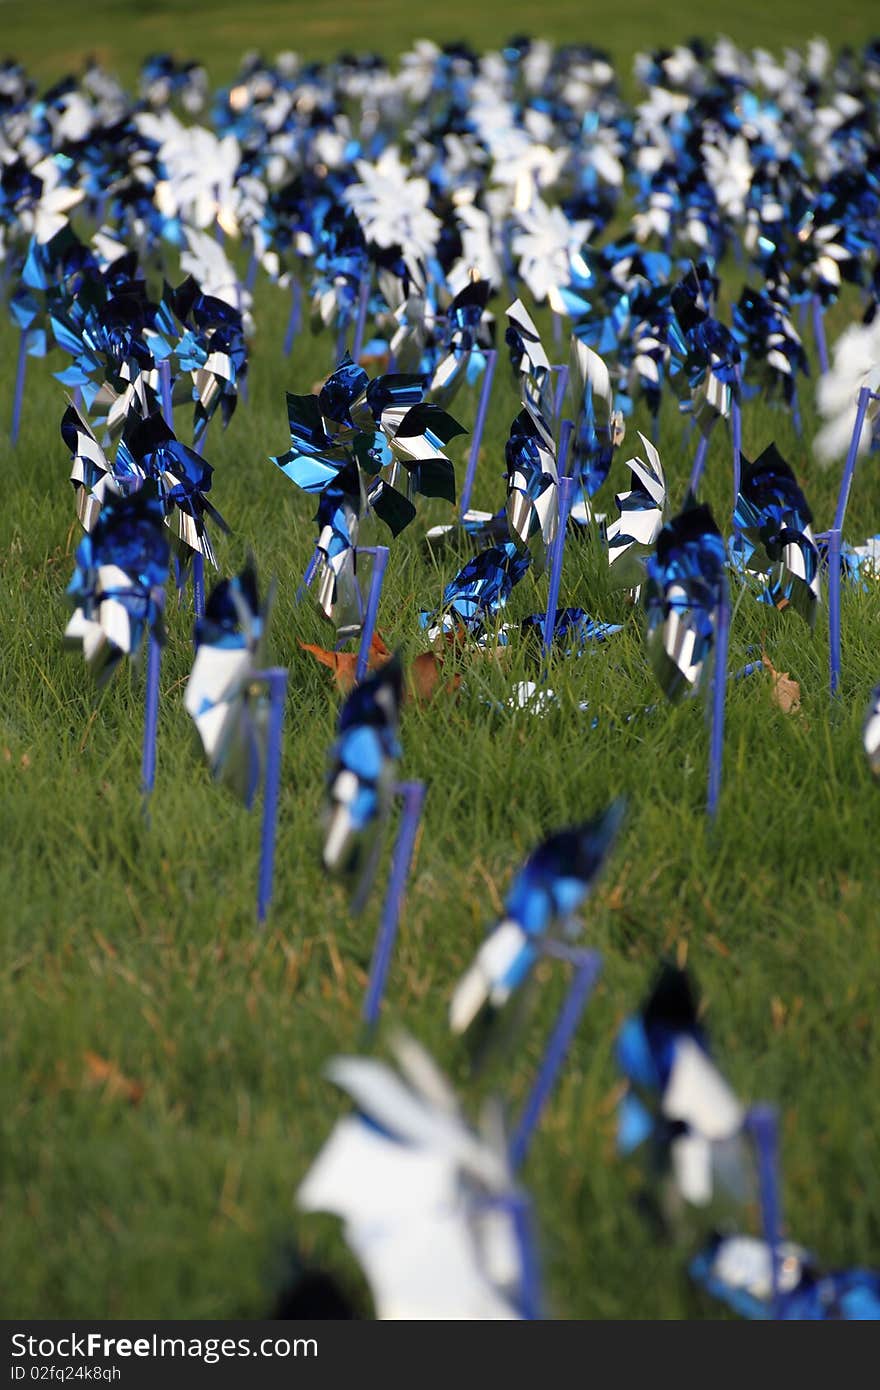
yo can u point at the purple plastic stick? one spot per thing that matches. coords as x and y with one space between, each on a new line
151 702
719 695
700 458
849 467
819 333
561 384
834 609
250 278
763 1123
198 576
276 679
19 387
380 560
530 1286
479 426
736 432
566 430
361 322
165 393
413 795
589 963
293 320
564 500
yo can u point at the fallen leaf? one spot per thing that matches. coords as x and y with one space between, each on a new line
344 664
100 1072
785 692
425 677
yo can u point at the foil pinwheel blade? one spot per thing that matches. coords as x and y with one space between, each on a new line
778 542
686 584
632 536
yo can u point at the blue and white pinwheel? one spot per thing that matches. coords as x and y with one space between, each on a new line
777 539
686 585
540 908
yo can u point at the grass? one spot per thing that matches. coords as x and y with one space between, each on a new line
137 943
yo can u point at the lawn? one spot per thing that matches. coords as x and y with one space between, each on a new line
161 1092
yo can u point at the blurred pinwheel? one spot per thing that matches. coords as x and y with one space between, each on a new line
532 485
210 349
737 1270
469 335
761 324
855 364
633 535
363 760
230 709
686 585
117 588
777 540
871 733
705 355
429 1204
573 630
540 910
479 591
676 1098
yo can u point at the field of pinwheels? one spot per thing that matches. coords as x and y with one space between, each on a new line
592 759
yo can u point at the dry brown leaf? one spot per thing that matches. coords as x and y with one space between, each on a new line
344 664
101 1072
425 677
785 692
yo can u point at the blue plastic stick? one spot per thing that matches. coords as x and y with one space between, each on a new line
293 320
719 695
413 796
380 560
566 430
849 467
479 426
819 334
276 679
17 399
151 701
564 501
589 964
700 458
250 278
834 609
561 384
736 432
361 322
198 564
763 1123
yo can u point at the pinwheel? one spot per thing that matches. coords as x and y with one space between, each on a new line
362 771
774 520
688 619
676 1098
761 324
479 590
532 485
468 342
540 911
210 350
92 473
237 703
738 1271
574 631
705 364
632 536
429 1204
117 588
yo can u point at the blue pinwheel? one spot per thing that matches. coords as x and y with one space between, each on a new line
776 536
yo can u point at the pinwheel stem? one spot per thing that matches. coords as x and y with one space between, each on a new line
413 797
293 320
565 498
151 700
20 371
736 433
566 430
380 560
588 965
561 385
479 426
276 679
819 333
834 609
361 321
198 577
762 1122
700 458
849 467
250 278
719 695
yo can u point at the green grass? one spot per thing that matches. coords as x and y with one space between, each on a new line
137 943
